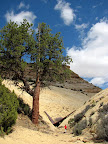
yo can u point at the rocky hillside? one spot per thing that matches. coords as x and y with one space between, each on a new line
75 83
92 118
58 102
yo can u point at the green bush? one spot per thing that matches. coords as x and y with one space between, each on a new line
104 110
102 126
2 133
79 116
77 130
90 122
71 122
8 109
0 80
24 108
102 129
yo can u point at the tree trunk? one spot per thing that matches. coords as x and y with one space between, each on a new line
27 86
35 113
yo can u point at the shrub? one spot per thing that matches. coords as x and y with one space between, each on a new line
92 113
71 122
2 132
90 122
101 104
102 129
93 104
104 110
79 116
77 130
8 109
24 108
0 80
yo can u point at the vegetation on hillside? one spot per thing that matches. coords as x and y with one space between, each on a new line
8 109
45 49
99 126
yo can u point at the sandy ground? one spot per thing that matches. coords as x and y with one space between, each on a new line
57 102
27 136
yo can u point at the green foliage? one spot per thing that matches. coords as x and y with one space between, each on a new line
102 129
92 113
2 133
79 116
71 122
0 81
104 110
8 109
24 108
90 122
102 126
101 104
48 55
47 50
77 130
93 103
16 41
77 123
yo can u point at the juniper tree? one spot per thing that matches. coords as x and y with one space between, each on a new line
48 55
15 42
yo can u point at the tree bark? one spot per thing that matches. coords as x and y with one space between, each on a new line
27 86
35 112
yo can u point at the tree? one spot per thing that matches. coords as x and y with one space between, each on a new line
15 43
48 55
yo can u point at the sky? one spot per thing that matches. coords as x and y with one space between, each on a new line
83 25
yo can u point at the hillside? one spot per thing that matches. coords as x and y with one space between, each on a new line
75 83
91 118
57 102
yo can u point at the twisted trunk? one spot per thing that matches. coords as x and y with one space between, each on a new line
35 112
27 86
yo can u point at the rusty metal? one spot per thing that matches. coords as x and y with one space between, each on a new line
57 123
51 120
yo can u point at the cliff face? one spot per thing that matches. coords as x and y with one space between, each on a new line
75 83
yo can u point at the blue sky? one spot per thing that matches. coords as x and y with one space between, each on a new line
82 23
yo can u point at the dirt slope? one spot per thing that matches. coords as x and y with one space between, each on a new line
57 102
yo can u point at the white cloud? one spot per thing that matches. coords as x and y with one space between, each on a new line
67 13
36 30
22 5
95 6
81 27
96 18
91 60
99 81
80 19
20 16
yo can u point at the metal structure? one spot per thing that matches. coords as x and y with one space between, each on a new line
57 123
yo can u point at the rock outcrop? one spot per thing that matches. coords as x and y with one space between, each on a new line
75 83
